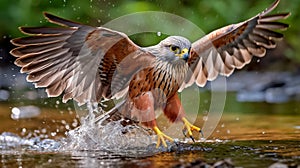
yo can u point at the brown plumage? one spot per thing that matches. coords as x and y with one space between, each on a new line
88 63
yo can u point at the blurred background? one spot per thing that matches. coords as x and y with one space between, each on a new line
206 14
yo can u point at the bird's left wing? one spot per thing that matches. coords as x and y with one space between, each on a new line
78 61
233 46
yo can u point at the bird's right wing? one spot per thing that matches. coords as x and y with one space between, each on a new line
81 62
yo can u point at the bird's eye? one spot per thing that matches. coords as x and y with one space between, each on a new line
174 48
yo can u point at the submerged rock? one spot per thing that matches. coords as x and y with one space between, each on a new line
271 87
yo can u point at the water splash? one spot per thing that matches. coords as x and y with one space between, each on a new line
11 141
95 133
113 136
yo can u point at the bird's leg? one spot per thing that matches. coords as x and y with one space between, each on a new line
175 112
188 128
161 137
144 112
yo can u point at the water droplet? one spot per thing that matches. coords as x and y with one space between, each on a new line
44 130
63 122
75 124
15 111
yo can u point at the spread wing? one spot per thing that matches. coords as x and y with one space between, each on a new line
233 46
79 61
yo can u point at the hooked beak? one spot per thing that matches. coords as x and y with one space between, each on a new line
184 54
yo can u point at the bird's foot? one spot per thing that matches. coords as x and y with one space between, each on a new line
161 137
188 128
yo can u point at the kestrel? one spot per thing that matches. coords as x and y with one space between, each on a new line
88 64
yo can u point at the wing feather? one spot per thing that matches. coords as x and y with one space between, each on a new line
233 46
79 61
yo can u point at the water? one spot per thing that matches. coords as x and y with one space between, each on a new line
249 134
258 153
24 112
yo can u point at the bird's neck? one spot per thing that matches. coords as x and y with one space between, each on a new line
178 69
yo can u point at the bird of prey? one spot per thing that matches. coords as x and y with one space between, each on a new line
87 64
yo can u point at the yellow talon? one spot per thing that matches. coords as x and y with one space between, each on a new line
161 137
190 127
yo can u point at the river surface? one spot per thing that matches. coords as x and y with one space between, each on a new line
248 134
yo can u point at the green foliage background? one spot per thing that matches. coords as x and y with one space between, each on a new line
206 14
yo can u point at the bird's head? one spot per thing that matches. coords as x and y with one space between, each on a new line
175 48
